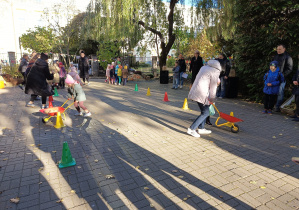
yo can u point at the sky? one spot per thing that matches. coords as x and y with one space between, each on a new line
17 16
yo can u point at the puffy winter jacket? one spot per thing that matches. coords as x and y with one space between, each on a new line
275 78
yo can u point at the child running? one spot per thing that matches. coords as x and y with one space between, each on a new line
272 80
76 92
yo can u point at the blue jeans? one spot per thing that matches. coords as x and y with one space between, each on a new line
175 81
125 81
221 88
181 79
201 119
280 94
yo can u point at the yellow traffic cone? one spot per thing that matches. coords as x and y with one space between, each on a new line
148 92
59 122
185 106
2 84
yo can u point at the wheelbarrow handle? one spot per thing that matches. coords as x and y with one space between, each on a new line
65 102
68 106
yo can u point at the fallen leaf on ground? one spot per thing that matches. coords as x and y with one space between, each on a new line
137 167
184 199
36 159
272 198
1 152
174 171
252 182
41 168
54 151
152 205
96 160
28 153
146 169
293 146
280 134
5 159
146 188
31 145
274 137
40 182
180 177
15 200
73 191
262 187
39 145
220 196
59 201
110 176
79 167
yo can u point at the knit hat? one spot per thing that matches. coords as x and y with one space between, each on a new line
274 63
126 67
69 79
44 56
60 64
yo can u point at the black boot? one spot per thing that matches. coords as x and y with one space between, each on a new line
208 121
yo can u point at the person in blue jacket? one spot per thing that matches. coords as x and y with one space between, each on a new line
272 80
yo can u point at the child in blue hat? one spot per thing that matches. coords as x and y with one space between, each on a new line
272 80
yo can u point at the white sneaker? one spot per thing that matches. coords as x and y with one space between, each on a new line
88 83
87 114
181 86
79 114
204 131
193 133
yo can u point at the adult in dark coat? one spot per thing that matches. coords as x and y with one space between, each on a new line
196 64
182 64
83 66
285 64
37 81
225 70
296 93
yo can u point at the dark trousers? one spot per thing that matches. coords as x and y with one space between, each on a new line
269 101
125 81
24 76
62 82
86 78
297 105
44 98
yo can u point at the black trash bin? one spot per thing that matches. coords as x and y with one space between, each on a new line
232 87
164 77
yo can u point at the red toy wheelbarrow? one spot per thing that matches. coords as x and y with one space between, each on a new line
231 120
52 112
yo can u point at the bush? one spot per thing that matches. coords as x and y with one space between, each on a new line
137 72
170 62
150 75
143 64
11 70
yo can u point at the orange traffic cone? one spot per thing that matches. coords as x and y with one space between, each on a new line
50 101
166 97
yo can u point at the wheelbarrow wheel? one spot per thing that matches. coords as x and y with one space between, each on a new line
235 129
45 120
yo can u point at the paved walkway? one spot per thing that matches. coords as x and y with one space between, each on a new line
141 142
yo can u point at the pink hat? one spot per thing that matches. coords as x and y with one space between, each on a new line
69 79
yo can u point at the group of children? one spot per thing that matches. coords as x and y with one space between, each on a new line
116 73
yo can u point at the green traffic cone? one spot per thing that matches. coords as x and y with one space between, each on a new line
136 87
55 92
66 160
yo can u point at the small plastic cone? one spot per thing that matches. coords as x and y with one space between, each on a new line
66 159
55 92
59 122
2 84
148 92
136 87
185 106
166 97
51 98
50 104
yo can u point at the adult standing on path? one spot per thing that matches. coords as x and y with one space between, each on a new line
196 64
83 66
203 91
182 64
225 69
22 69
37 81
296 93
285 64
